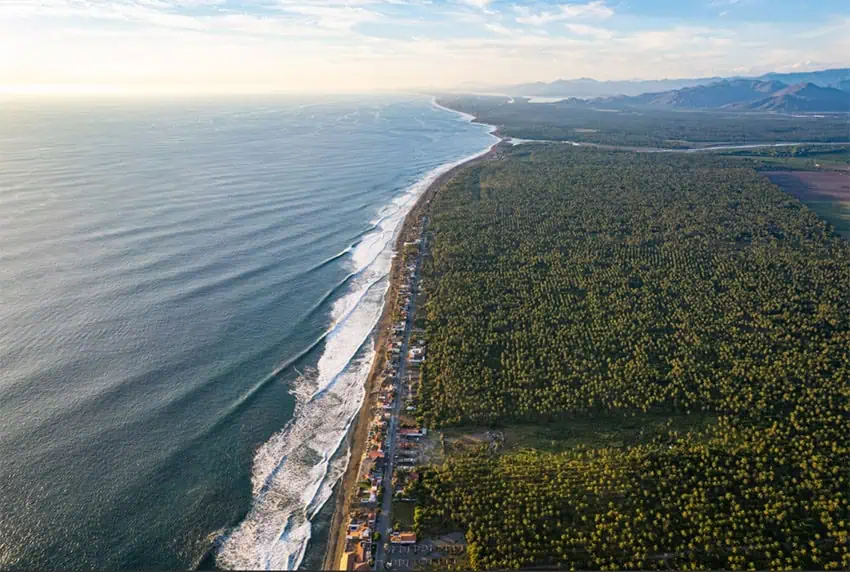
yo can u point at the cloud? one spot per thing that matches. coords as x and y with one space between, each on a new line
590 31
480 4
592 10
333 45
201 14
332 17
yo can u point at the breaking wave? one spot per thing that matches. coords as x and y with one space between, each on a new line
296 471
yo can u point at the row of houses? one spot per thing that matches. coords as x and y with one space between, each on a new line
410 437
360 536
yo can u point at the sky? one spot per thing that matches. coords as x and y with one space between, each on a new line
227 46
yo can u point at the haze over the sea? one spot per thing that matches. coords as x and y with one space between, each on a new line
169 268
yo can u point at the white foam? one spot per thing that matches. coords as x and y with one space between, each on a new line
296 470
469 118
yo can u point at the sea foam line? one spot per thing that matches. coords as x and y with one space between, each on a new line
296 470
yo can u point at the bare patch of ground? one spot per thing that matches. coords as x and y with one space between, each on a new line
470 438
825 192
431 449
811 185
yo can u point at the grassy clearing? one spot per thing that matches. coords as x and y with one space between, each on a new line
601 431
403 514
604 430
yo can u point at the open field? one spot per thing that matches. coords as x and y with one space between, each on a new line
825 192
826 185
403 514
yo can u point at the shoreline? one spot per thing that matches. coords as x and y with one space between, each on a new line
357 436
358 433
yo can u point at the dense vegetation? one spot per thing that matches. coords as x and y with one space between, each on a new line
570 283
766 498
645 126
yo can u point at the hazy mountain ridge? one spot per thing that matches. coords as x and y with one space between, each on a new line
716 94
741 94
803 97
591 88
838 78
588 87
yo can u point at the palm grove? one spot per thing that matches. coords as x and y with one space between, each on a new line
569 284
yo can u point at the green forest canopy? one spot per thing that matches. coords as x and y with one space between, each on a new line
569 282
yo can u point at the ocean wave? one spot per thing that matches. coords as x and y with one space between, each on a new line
295 472
466 116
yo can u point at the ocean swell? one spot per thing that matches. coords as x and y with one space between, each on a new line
294 473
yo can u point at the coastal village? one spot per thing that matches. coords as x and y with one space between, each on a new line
378 519
379 529
387 468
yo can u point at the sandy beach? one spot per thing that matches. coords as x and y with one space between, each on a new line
360 428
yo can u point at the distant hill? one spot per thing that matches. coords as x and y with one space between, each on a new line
803 97
837 78
716 94
589 88
744 94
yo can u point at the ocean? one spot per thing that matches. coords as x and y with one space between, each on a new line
188 293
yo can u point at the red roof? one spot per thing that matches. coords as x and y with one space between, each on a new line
403 538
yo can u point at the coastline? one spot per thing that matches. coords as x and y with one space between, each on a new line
357 436
358 433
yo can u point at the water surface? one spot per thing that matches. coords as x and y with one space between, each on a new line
168 270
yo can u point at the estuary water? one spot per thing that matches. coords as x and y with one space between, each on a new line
188 291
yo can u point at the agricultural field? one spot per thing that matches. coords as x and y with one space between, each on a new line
804 157
663 341
825 192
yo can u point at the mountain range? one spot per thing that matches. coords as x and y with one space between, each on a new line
743 95
588 88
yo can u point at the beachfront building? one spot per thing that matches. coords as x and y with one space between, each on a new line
355 557
403 538
359 531
412 432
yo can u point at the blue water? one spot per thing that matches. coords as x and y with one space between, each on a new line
187 295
